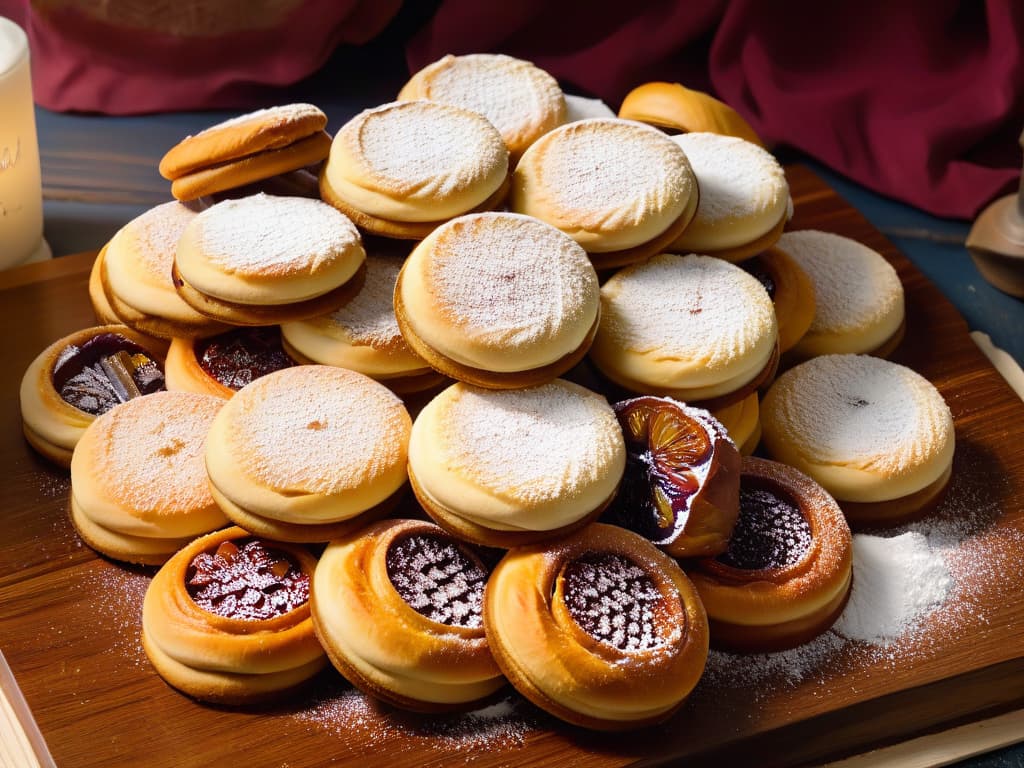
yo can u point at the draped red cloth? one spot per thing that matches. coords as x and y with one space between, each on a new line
922 100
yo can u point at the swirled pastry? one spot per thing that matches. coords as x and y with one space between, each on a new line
398 607
601 628
227 619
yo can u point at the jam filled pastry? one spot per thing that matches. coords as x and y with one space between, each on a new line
876 435
622 190
401 169
681 485
508 467
600 628
791 292
398 608
308 453
223 364
81 376
498 300
138 484
227 619
787 572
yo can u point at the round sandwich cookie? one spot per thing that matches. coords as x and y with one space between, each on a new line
791 292
139 491
498 300
508 467
860 303
223 364
787 572
876 435
263 260
673 107
622 190
363 335
246 149
398 606
694 328
600 628
521 100
308 453
744 197
82 376
101 308
227 619
401 169
136 275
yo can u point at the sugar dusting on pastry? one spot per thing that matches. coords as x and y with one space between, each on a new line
153 238
369 318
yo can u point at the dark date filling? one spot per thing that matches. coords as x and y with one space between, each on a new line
756 267
770 532
245 579
614 600
240 356
106 370
438 579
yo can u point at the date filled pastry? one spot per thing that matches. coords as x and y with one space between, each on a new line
227 619
363 335
246 149
398 606
498 300
601 628
622 190
521 100
508 467
139 491
80 377
791 291
135 273
308 453
694 328
263 260
860 303
401 169
223 364
786 575
680 489
744 197
876 435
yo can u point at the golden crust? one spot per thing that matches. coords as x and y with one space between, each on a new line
220 659
183 372
383 645
677 108
771 609
581 679
101 308
905 509
793 296
742 420
141 550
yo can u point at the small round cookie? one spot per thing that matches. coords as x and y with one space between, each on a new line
401 169
694 328
101 308
139 491
511 467
742 421
308 453
363 335
245 149
622 190
601 629
223 364
860 306
786 575
80 377
227 619
675 108
791 292
521 100
498 300
398 606
262 260
744 197
876 435
136 275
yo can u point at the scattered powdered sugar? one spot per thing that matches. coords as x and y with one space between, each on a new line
784 668
532 444
854 286
691 308
897 580
275 117
437 579
115 594
155 234
369 318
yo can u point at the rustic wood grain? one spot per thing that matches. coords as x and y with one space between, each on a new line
69 619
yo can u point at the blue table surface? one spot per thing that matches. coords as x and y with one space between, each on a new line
100 172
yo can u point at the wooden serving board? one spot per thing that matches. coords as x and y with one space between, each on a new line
69 620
